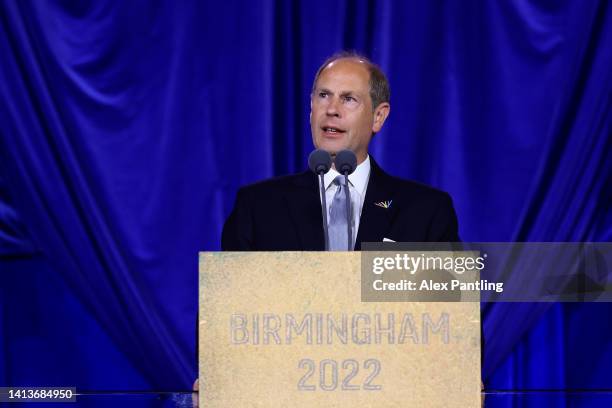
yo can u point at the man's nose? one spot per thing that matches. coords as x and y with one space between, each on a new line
333 108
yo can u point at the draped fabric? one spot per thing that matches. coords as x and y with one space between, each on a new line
127 127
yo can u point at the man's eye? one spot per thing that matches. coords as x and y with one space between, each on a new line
350 99
323 94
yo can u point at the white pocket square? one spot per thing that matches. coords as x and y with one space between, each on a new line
388 240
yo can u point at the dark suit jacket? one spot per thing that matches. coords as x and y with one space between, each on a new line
284 214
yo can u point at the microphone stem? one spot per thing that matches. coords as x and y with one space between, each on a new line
349 216
324 209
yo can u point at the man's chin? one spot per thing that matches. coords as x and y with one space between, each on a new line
331 148
332 152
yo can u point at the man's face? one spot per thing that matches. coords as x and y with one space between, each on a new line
341 115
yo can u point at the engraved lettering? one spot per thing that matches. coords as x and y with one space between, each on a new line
352 365
365 331
442 326
238 329
334 375
291 325
255 329
379 330
375 364
408 330
271 329
310 365
341 328
319 321
341 332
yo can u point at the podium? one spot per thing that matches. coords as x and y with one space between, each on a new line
290 329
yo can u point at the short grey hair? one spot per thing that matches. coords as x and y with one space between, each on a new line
379 84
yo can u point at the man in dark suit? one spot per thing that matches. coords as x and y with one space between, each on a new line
349 104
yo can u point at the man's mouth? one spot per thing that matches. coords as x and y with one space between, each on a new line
332 130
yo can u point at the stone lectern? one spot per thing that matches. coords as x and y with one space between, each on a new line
289 329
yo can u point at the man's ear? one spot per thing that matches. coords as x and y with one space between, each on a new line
380 115
310 114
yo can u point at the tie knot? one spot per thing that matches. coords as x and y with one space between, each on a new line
340 180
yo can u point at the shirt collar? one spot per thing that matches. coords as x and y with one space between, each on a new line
358 179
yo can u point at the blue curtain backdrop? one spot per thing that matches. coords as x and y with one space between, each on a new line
126 128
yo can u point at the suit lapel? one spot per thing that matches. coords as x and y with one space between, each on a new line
305 209
375 220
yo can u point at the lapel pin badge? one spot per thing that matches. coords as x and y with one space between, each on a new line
384 204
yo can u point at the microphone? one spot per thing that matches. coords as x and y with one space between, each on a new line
346 163
320 162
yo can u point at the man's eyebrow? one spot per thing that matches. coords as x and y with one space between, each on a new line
342 93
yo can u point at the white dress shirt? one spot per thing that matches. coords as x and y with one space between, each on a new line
358 183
